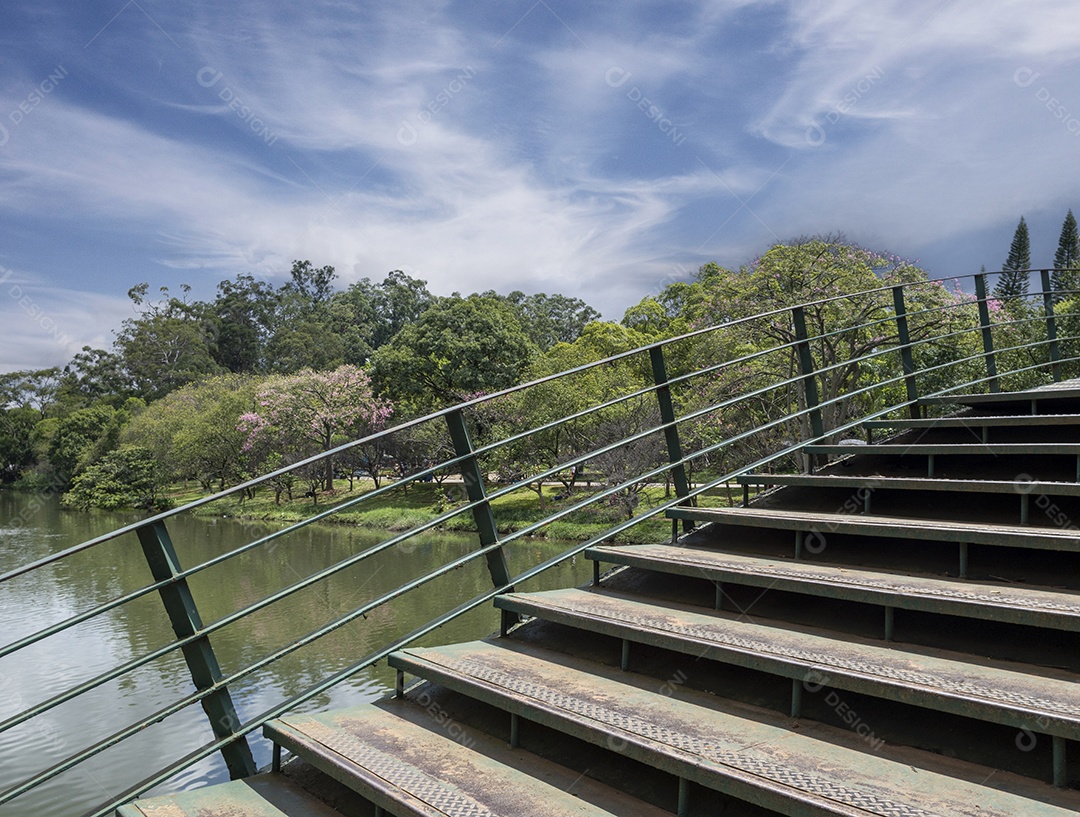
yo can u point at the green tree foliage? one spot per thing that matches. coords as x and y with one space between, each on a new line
93 375
303 336
124 478
1066 275
826 268
1012 284
396 302
242 316
16 449
69 443
38 389
550 319
550 401
311 412
459 347
193 432
167 346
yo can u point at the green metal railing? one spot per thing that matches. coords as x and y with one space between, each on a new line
720 414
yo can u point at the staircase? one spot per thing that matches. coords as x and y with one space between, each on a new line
894 634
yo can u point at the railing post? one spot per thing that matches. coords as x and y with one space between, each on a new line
1051 326
474 488
987 335
671 431
202 663
905 351
806 366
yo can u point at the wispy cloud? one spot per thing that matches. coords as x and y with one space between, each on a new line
521 145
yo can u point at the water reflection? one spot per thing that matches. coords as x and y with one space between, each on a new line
32 527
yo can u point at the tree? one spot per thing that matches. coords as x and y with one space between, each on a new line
309 412
16 450
551 319
1066 275
94 374
193 430
1012 284
553 448
32 389
398 301
168 345
242 315
303 335
125 478
823 272
66 444
458 348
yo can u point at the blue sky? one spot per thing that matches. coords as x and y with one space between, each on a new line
596 150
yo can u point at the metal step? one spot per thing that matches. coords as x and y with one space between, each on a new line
978 421
868 485
978 486
744 752
266 795
1056 610
1020 400
412 758
1026 698
948 449
981 451
821 524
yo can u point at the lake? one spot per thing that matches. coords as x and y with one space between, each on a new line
32 527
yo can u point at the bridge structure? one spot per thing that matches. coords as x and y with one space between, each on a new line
884 622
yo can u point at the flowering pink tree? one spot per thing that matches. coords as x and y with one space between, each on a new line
310 411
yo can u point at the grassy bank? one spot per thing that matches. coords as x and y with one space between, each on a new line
401 510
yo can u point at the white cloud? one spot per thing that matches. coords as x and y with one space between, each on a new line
412 137
46 325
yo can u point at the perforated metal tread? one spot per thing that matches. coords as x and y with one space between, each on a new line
268 795
1066 391
977 421
876 481
411 758
901 449
941 681
689 734
1058 610
887 526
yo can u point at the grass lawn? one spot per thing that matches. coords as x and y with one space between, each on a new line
400 510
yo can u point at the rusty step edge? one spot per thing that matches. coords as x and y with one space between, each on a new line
977 421
1005 398
1019 488
902 449
1065 538
412 758
758 762
1026 607
238 798
943 684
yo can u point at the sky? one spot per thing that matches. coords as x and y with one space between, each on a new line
599 151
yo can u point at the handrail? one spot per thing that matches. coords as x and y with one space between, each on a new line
789 399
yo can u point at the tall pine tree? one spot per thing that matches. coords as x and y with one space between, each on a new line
1012 284
1066 274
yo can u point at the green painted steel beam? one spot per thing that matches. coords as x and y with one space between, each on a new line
1051 325
907 361
806 367
474 486
1007 603
199 654
987 332
671 430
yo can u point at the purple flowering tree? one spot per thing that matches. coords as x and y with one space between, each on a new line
301 414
